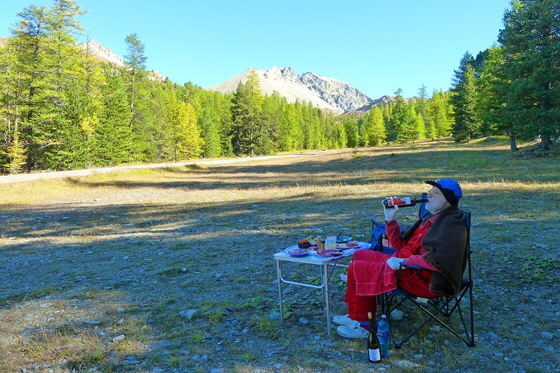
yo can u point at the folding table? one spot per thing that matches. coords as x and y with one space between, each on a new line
316 260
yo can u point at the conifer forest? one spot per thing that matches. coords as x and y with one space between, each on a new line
62 109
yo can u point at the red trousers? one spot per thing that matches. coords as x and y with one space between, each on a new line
416 282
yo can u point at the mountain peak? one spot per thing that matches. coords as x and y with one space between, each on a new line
101 52
322 92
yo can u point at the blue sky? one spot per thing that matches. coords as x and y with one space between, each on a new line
378 46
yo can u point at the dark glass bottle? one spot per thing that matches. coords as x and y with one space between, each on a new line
391 202
373 342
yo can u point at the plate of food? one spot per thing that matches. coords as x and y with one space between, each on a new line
297 252
340 239
347 245
332 253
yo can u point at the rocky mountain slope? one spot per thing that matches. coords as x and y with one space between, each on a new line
322 92
102 53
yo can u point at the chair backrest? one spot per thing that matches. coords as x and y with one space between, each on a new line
468 249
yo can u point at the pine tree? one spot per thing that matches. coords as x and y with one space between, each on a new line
401 121
439 112
466 125
24 78
531 69
419 129
113 137
135 62
247 115
492 87
351 130
421 107
209 123
136 75
44 63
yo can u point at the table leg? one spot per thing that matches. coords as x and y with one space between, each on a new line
327 298
279 275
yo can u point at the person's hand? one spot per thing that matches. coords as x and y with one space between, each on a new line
394 263
390 213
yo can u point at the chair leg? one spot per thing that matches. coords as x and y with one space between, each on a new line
468 339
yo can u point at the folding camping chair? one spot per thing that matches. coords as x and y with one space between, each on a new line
435 306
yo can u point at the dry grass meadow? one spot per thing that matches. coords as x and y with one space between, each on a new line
99 273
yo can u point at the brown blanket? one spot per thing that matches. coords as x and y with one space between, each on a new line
446 242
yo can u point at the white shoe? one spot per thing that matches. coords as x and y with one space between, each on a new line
343 320
352 331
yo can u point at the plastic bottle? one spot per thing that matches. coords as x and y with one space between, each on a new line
391 202
383 335
374 355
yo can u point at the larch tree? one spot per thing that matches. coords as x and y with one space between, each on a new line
376 133
136 65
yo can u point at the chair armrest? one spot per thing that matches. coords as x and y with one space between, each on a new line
402 265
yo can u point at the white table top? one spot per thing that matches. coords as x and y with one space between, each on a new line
314 258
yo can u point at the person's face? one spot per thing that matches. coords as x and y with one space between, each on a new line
436 201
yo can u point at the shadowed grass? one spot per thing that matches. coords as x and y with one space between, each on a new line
131 250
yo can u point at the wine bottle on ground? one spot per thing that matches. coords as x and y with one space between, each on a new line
373 342
391 202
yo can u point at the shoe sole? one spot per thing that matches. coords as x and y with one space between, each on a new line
349 323
351 336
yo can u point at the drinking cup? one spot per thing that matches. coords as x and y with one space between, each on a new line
331 243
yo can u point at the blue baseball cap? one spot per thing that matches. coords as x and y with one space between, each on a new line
450 188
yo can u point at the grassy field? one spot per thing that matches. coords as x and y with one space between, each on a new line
101 271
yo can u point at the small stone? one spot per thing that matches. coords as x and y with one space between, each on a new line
87 322
397 315
189 314
490 335
303 321
405 364
547 336
118 338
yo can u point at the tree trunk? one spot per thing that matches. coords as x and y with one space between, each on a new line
546 144
512 144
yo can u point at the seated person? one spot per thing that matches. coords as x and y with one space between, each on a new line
436 242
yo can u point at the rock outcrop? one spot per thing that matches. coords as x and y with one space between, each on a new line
320 91
95 48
